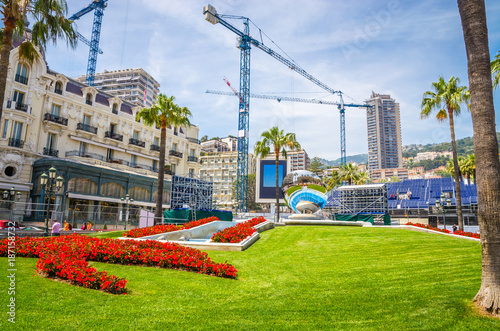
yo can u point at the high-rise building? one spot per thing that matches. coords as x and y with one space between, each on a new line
384 133
132 85
299 160
222 168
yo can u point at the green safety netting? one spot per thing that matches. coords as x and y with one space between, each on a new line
359 217
187 215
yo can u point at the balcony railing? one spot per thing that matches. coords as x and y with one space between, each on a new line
193 140
50 152
143 166
118 161
137 142
86 127
155 148
175 153
112 135
85 154
192 159
16 143
55 118
21 106
58 91
21 79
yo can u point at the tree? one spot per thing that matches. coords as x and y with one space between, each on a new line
334 180
495 70
316 165
274 139
348 173
473 16
362 178
446 99
203 139
163 113
50 25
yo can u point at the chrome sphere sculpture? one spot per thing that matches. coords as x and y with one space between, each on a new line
304 192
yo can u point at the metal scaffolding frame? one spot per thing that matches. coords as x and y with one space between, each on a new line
192 191
363 199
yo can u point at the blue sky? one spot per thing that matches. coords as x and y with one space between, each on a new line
391 46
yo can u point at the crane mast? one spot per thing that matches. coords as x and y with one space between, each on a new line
98 7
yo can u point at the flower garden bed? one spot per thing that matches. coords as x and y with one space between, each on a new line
238 232
67 257
458 232
164 228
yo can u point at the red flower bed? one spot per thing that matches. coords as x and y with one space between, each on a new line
163 228
426 226
238 232
468 234
67 257
458 232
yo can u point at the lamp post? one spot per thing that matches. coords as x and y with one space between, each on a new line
8 196
127 200
53 184
442 208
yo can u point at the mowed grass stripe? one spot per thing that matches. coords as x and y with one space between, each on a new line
292 278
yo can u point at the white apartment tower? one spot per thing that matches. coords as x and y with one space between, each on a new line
132 85
384 133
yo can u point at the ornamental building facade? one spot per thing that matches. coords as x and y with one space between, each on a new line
89 136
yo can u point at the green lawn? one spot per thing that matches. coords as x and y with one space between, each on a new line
292 278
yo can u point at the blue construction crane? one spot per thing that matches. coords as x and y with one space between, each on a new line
245 43
98 7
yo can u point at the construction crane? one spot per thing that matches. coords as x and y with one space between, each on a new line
246 41
98 7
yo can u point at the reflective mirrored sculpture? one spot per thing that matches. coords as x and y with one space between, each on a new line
304 192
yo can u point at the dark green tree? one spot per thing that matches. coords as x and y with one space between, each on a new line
316 166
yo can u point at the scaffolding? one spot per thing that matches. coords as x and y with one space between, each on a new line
192 191
363 199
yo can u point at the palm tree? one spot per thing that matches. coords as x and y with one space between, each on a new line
274 139
473 16
349 173
362 178
50 25
162 114
495 70
446 99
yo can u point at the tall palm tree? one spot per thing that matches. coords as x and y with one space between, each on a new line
362 178
473 16
278 142
50 25
349 173
495 70
446 99
162 114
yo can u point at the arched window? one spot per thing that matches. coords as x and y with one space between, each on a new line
115 108
166 197
88 99
22 74
82 185
58 88
139 193
113 190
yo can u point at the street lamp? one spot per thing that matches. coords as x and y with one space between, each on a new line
127 200
52 184
442 208
9 196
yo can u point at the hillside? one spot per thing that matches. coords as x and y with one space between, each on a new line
465 147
